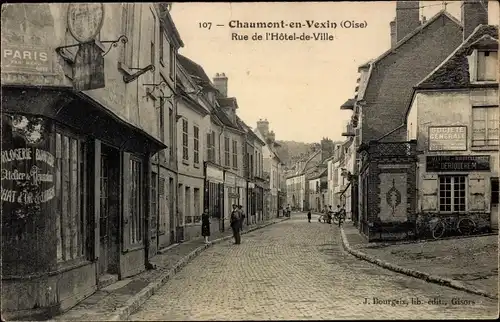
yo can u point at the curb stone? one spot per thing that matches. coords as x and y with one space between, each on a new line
413 273
135 302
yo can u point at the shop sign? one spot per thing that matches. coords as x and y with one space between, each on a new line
229 179
88 70
241 183
21 58
214 175
447 138
233 195
27 183
457 163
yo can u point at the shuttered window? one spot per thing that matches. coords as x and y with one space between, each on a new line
71 196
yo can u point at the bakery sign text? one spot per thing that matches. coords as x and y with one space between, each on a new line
25 185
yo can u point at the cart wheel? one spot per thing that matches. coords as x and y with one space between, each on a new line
438 230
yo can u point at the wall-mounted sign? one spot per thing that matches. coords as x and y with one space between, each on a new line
88 70
214 175
447 138
457 163
20 58
85 20
229 179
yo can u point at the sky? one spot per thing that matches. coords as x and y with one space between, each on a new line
297 86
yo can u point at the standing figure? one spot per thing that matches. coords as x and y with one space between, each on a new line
242 216
235 221
205 225
309 216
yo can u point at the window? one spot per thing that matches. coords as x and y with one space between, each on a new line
196 141
172 62
70 191
171 134
153 39
235 154
161 121
452 193
485 124
129 24
487 65
135 201
162 41
187 206
209 148
154 202
197 200
227 160
495 193
185 142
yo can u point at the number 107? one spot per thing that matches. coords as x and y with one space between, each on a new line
206 25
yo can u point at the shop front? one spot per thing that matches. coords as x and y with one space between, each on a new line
73 179
459 184
231 196
251 204
214 195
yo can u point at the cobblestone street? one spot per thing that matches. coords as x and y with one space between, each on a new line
298 270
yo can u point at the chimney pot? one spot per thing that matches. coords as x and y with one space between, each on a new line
220 83
474 13
407 18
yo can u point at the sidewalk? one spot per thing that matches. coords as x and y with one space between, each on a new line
471 262
117 301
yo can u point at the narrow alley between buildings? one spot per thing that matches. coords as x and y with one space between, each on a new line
299 270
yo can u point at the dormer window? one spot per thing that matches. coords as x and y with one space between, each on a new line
487 66
483 60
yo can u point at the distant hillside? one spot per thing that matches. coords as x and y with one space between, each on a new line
291 149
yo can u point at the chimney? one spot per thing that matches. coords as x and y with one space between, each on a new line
271 136
263 127
393 33
407 18
474 13
327 148
220 82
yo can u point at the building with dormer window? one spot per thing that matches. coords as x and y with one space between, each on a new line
454 116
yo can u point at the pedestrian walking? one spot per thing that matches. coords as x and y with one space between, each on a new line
342 214
309 216
235 221
205 226
242 215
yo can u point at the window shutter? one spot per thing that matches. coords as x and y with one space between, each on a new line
126 201
97 196
477 189
429 192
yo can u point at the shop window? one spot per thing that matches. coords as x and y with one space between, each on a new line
197 200
196 143
162 44
135 201
485 126
227 160
452 193
185 141
70 191
487 66
235 154
172 62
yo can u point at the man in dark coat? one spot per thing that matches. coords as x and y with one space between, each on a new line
242 215
309 216
235 221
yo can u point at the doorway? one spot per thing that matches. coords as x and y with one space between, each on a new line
108 215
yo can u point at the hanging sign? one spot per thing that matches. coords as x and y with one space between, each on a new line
88 70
